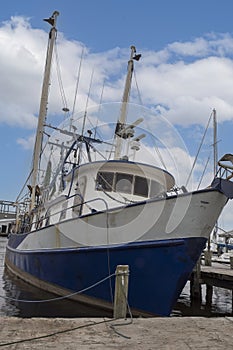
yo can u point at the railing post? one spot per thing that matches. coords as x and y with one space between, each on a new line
121 291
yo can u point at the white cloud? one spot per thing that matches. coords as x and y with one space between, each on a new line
21 56
186 90
208 45
27 143
198 47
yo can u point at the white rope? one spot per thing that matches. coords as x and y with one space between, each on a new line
63 297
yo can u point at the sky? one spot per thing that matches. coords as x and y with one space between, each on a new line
185 71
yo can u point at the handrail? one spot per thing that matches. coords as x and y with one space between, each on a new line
224 171
39 223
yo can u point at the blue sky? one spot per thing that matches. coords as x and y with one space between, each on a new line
186 67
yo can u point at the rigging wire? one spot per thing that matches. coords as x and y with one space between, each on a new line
76 87
61 87
203 173
98 113
158 153
18 197
138 91
195 160
87 101
85 116
141 103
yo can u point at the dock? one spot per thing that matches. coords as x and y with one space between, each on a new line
219 275
168 333
212 274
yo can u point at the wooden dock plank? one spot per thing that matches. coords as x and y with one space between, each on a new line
219 275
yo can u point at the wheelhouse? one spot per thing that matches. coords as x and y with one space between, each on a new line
119 179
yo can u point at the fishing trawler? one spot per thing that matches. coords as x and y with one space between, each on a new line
96 214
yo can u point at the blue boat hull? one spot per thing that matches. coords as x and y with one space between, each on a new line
158 270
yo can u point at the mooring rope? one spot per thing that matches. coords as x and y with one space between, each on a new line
63 297
112 325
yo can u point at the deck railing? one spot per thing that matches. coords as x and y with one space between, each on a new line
45 220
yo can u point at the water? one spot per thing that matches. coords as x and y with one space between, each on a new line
12 287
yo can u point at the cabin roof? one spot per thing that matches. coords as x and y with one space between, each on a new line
135 168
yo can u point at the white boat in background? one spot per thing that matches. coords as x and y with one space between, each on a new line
7 217
6 226
96 214
225 243
223 258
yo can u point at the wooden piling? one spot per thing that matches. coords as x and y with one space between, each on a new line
195 284
121 291
209 295
208 257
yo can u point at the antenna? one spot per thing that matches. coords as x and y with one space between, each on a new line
128 130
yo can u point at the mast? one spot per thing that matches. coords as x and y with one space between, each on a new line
122 120
215 160
43 106
215 171
215 141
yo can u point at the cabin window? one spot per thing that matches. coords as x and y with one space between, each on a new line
124 183
104 181
140 186
155 188
4 229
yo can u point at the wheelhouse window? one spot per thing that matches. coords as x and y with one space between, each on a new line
128 183
155 188
104 181
124 183
3 228
140 186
